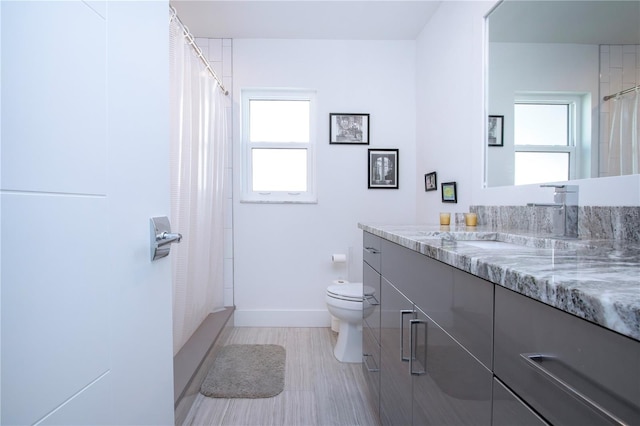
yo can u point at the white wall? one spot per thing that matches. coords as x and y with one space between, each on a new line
282 253
450 111
450 105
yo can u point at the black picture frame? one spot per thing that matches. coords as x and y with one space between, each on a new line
430 182
495 130
348 129
449 193
383 168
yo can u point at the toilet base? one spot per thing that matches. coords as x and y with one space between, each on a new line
349 345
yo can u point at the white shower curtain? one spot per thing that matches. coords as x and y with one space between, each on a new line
623 153
198 151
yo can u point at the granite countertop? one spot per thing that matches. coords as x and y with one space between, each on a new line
597 280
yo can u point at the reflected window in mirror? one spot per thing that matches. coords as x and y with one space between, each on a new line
545 139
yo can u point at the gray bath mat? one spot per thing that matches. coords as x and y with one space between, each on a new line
246 371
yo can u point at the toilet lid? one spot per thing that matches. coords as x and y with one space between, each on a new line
352 291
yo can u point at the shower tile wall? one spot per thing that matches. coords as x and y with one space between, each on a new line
619 70
219 54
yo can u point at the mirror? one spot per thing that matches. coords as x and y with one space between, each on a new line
549 65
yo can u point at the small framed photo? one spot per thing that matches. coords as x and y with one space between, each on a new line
430 182
449 192
495 130
383 169
349 129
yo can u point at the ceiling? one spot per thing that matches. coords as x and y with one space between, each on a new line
306 19
575 21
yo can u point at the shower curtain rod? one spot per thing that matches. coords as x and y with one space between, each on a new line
622 92
192 43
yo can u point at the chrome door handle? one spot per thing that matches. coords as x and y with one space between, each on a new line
161 237
165 238
402 314
414 347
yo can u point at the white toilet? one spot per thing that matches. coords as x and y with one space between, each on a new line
344 302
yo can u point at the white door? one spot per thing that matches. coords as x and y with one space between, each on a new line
86 316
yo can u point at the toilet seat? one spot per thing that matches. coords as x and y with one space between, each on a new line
351 292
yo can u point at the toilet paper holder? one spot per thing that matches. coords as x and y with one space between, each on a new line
338 258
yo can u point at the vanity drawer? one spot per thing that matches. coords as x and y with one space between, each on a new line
424 281
509 410
371 249
572 372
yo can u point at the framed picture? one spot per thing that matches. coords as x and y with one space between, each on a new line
383 168
449 192
430 182
349 129
495 130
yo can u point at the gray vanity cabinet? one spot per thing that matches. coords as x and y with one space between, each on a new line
428 376
460 303
570 371
450 386
371 336
395 379
371 324
454 349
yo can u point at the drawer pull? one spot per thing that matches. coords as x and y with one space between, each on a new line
371 299
371 250
365 357
402 314
535 360
414 347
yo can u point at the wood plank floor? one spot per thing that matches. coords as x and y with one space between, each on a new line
318 389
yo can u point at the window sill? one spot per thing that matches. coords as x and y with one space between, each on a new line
278 201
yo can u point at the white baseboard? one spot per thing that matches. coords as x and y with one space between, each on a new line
282 318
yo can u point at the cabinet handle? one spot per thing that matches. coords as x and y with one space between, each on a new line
414 346
371 250
534 360
368 298
402 314
366 364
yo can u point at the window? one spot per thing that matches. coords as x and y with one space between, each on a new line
544 139
278 135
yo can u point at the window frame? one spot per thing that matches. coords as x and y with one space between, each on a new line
248 195
574 104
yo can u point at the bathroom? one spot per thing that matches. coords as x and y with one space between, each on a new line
425 98
301 238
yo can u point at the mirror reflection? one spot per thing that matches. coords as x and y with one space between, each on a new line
550 66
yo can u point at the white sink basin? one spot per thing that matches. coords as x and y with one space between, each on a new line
490 244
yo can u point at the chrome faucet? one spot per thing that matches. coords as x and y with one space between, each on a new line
565 213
